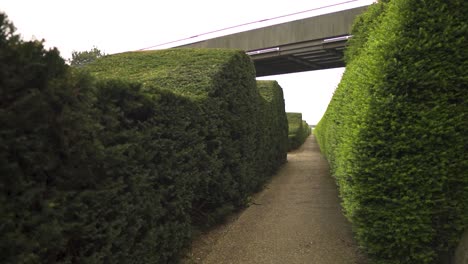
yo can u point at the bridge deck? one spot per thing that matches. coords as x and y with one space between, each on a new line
313 43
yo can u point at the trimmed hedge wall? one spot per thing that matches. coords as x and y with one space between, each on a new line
395 131
153 153
222 84
118 169
298 131
274 128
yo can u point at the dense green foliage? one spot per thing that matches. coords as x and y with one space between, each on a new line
48 155
274 128
395 131
363 25
82 58
222 84
299 130
116 170
153 153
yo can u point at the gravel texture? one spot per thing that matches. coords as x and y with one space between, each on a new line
297 218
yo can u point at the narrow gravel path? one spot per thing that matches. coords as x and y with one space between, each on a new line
296 219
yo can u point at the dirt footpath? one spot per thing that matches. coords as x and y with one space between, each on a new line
296 219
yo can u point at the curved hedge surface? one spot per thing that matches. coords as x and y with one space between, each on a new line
116 170
395 131
222 84
298 131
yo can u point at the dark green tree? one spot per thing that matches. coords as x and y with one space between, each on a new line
43 146
82 58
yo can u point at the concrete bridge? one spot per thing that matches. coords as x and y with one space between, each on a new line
314 43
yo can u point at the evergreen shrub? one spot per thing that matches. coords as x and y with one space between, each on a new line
117 169
298 130
395 131
231 118
222 85
273 129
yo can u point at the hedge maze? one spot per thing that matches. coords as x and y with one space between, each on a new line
117 162
395 131
298 131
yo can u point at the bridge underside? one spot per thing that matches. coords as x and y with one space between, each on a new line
309 44
299 57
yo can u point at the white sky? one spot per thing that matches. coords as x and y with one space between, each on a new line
119 25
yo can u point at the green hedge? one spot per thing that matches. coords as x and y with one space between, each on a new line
48 155
222 84
298 131
82 180
154 151
395 131
274 128
118 169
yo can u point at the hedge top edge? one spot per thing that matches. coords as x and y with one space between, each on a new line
188 72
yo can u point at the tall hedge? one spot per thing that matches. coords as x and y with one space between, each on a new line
298 130
85 183
215 116
395 131
273 129
47 153
117 169
222 85
81 181
153 152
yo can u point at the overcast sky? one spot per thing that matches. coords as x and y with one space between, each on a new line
118 26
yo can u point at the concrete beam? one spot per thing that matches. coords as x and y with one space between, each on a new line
318 27
308 44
